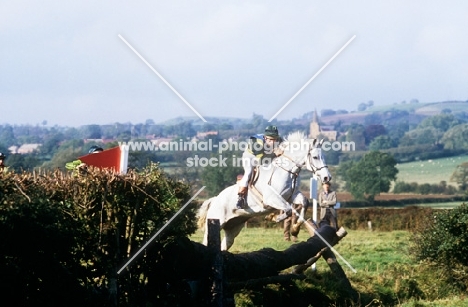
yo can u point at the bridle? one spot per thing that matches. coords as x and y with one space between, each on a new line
309 165
295 170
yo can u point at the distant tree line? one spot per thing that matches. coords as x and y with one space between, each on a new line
424 188
403 135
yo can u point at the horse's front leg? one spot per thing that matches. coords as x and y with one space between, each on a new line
299 201
275 200
299 219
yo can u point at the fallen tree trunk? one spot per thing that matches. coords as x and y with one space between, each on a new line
185 259
259 283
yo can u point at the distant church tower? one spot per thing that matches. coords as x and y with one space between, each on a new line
315 130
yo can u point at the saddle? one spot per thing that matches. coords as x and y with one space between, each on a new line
253 179
258 196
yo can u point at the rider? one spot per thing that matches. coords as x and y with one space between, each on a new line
78 164
263 148
95 149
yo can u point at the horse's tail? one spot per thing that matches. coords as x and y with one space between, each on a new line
202 213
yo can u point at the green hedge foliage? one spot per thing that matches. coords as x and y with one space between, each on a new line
443 240
65 236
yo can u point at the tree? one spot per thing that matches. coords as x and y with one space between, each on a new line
51 143
421 136
398 130
226 126
149 122
460 176
180 130
442 121
7 137
362 106
62 157
456 138
93 132
381 142
22 162
217 178
258 122
327 112
208 127
342 171
374 118
371 175
356 134
373 131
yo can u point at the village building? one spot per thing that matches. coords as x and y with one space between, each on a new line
24 149
317 130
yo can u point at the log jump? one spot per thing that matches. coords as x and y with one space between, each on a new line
222 273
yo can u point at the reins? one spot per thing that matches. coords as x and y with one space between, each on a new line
294 171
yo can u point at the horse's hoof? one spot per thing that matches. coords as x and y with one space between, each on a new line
294 231
281 217
270 217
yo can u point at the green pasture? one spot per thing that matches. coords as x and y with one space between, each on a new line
431 171
386 274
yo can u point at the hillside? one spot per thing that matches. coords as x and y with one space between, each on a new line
415 111
430 171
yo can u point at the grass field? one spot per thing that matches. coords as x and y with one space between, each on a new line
429 171
386 273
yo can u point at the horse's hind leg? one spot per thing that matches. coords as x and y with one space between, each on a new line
230 234
205 235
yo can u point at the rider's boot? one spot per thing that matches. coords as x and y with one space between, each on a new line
241 197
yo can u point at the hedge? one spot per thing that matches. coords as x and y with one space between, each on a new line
66 235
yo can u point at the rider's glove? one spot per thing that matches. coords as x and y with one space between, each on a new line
278 151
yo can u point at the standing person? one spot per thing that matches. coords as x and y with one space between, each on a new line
288 233
2 163
327 201
262 148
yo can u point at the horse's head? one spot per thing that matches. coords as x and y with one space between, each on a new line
306 152
316 162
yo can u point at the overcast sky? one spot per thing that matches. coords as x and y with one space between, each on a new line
64 62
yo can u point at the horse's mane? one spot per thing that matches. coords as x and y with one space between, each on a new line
296 136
